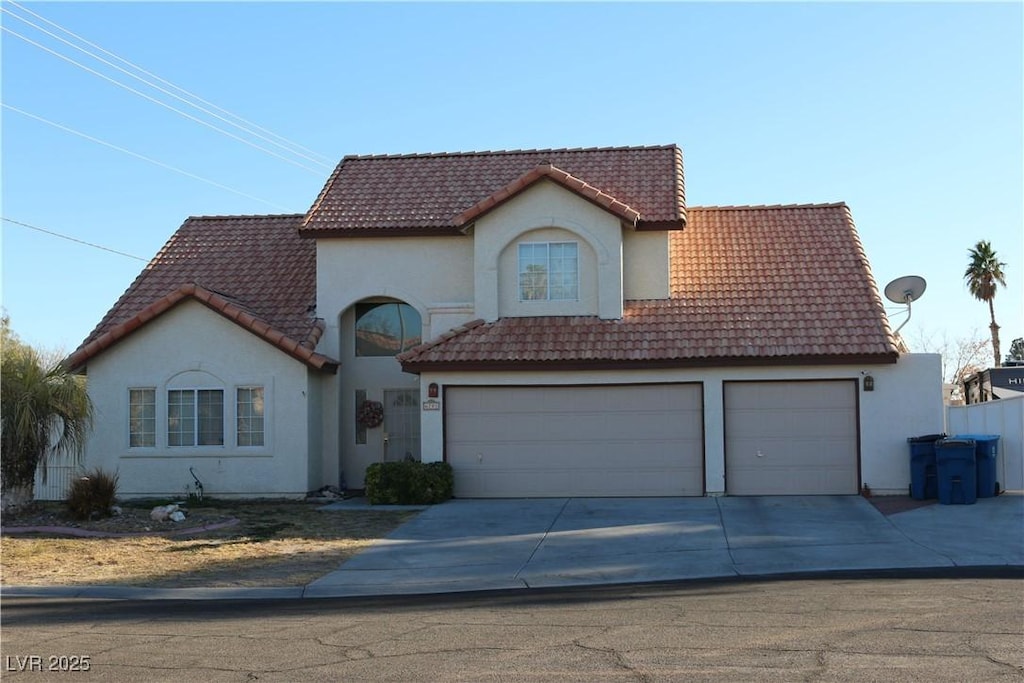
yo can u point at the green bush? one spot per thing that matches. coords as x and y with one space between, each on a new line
408 483
92 495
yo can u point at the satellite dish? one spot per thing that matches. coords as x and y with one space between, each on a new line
905 290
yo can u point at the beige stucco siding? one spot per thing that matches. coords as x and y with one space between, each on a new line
432 274
191 346
645 265
509 305
547 205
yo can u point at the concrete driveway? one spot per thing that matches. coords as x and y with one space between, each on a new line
465 545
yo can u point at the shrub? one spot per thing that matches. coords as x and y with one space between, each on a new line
92 495
408 483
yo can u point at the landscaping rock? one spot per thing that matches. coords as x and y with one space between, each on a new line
177 516
161 513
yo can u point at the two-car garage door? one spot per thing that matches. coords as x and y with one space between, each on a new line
781 438
612 440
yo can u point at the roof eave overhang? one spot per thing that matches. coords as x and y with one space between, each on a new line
652 226
418 367
300 351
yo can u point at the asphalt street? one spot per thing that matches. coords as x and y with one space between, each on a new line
959 624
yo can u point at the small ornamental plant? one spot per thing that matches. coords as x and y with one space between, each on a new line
93 495
370 414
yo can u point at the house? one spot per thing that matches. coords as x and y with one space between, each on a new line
550 322
994 383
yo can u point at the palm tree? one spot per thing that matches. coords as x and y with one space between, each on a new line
43 408
983 276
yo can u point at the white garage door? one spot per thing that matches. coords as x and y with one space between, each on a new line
791 438
635 440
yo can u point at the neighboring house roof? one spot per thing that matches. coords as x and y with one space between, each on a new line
441 194
749 285
253 270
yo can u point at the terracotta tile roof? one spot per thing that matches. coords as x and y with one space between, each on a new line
254 270
438 194
757 284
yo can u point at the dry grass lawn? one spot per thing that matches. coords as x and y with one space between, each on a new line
281 543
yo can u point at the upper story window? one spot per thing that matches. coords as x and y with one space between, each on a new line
387 329
549 271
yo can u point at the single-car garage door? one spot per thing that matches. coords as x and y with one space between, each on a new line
791 438
610 440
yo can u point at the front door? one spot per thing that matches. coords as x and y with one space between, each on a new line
401 424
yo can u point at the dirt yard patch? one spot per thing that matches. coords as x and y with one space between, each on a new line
281 543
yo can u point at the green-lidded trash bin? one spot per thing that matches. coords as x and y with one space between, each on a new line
924 483
986 448
956 471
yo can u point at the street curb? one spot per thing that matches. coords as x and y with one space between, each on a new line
138 593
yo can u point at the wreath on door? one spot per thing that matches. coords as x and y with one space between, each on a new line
370 414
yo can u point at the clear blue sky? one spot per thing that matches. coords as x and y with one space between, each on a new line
910 113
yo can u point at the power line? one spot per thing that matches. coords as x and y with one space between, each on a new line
140 156
72 239
162 104
290 147
327 160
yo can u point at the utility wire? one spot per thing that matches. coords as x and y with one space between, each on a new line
162 104
291 149
72 239
325 159
140 156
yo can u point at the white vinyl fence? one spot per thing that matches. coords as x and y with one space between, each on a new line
1004 417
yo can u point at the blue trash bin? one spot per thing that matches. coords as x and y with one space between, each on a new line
924 483
956 471
986 448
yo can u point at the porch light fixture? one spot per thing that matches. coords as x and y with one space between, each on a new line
869 383
432 390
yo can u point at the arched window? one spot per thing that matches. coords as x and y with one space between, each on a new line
386 329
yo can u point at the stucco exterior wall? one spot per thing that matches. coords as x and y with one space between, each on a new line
189 344
547 205
434 275
906 401
509 305
645 265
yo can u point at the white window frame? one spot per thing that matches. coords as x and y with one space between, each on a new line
152 419
262 417
196 419
548 271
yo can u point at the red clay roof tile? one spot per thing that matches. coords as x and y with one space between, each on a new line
423 194
779 284
253 270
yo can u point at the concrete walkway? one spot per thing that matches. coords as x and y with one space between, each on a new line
472 545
